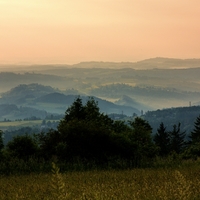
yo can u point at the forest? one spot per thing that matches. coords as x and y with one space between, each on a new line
88 138
101 131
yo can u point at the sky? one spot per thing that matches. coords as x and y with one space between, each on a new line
69 32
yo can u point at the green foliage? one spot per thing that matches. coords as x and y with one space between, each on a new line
162 140
10 134
170 116
170 141
177 139
1 140
195 134
88 139
141 139
48 143
57 184
87 134
76 110
22 147
193 148
140 131
192 151
90 112
1 145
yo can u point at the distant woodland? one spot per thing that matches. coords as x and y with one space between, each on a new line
88 138
131 107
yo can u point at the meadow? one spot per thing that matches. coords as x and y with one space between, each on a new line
22 123
140 184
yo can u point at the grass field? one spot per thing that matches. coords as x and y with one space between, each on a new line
141 184
29 123
20 123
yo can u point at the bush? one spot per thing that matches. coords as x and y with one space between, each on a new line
22 147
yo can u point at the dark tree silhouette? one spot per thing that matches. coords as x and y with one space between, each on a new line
22 147
195 134
1 145
177 137
141 139
1 140
162 140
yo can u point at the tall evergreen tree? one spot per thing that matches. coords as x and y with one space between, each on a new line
1 144
195 134
1 140
85 132
75 111
141 131
162 140
193 149
177 137
141 138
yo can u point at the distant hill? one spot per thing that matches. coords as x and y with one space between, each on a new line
159 86
105 106
13 112
185 115
51 100
167 63
150 92
56 98
7 109
128 101
151 63
158 62
20 93
9 80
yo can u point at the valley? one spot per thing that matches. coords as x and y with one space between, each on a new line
127 89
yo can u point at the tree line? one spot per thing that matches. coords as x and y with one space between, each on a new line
86 135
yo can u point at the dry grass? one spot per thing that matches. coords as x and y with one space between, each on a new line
144 184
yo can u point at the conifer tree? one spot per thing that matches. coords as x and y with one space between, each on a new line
195 134
141 138
1 140
177 137
162 140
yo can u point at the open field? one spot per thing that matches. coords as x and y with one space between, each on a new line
183 184
20 123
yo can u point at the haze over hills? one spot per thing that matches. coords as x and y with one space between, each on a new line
38 100
160 86
151 63
146 85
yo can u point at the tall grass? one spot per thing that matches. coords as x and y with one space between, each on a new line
139 184
14 166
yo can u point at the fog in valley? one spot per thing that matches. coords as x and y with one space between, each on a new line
127 89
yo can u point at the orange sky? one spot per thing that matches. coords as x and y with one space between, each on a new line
61 31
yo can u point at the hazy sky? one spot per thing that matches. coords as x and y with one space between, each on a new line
71 31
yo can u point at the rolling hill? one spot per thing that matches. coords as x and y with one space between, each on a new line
40 100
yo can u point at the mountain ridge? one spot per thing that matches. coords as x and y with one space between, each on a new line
149 63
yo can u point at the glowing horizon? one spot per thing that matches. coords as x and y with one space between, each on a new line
62 32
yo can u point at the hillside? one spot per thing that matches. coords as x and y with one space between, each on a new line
38 100
170 116
22 92
147 97
152 84
151 63
14 112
